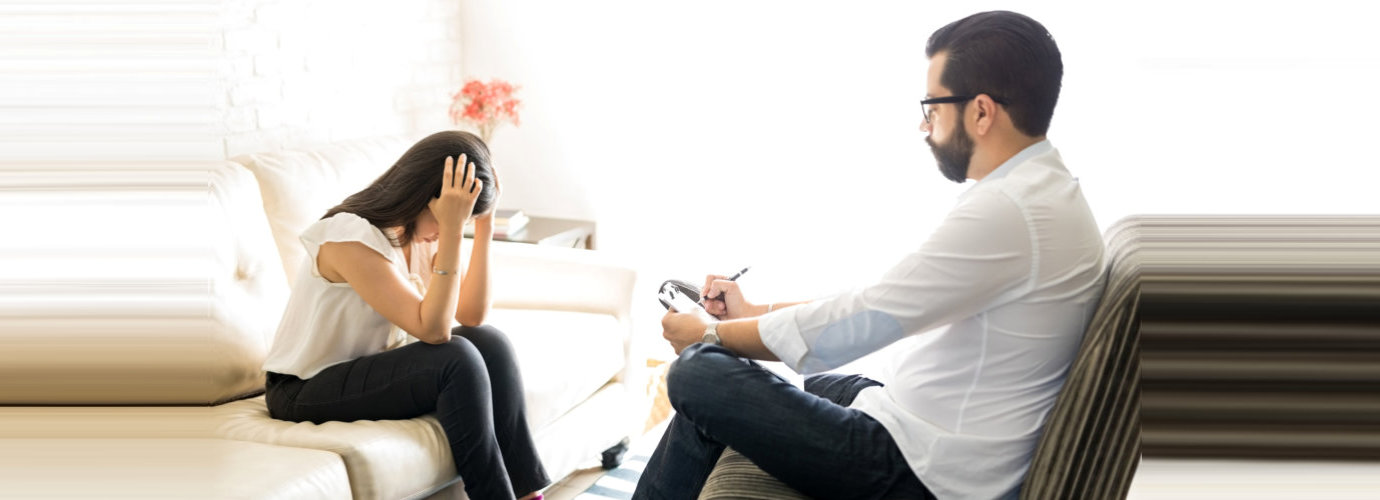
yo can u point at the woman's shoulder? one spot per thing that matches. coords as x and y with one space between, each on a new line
342 222
342 218
347 227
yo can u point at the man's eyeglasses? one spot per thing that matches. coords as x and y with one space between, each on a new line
927 110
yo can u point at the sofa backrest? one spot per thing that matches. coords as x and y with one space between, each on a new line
193 324
183 319
1224 337
1260 337
298 187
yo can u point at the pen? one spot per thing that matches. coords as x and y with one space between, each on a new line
732 278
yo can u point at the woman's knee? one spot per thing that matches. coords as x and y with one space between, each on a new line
490 341
459 355
481 331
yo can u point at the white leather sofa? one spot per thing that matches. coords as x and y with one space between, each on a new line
167 402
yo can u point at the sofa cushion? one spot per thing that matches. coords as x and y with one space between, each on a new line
167 468
107 422
299 186
564 357
386 459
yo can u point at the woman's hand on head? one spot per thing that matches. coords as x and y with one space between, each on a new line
459 190
488 216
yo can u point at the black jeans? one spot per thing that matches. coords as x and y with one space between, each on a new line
471 383
808 439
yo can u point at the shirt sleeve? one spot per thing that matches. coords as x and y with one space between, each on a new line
980 257
344 227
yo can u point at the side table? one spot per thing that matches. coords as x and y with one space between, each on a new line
569 233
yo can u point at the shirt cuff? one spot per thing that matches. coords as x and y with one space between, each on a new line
781 335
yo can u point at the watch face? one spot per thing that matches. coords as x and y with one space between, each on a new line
711 334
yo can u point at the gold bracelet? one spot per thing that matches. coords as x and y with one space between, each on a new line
442 272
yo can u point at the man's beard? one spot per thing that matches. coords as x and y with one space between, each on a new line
953 158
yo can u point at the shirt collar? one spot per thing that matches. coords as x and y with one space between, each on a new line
1026 154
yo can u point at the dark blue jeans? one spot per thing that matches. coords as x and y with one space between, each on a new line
472 385
808 439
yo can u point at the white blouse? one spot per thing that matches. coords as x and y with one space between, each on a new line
328 323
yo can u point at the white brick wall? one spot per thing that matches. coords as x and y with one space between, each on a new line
301 73
87 85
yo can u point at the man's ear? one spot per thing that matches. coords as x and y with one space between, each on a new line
986 113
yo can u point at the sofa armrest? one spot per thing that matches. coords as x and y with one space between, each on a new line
526 276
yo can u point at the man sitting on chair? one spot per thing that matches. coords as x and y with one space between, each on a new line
999 297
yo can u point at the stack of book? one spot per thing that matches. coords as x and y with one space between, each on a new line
507 221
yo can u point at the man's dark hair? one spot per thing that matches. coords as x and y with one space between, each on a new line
1007 56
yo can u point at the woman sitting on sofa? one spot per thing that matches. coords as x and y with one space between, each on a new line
390 255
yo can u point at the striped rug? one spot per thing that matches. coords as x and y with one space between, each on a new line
619 483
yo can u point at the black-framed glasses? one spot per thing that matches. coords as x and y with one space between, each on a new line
926 110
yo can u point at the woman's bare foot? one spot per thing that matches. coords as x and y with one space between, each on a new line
535 495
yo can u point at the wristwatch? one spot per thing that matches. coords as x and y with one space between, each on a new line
711 334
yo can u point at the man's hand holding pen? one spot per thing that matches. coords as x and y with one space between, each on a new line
723 299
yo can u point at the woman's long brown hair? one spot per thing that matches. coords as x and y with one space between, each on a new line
398 196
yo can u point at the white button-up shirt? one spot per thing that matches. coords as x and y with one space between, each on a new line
995 304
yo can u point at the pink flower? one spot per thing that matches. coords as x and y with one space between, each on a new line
485 106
